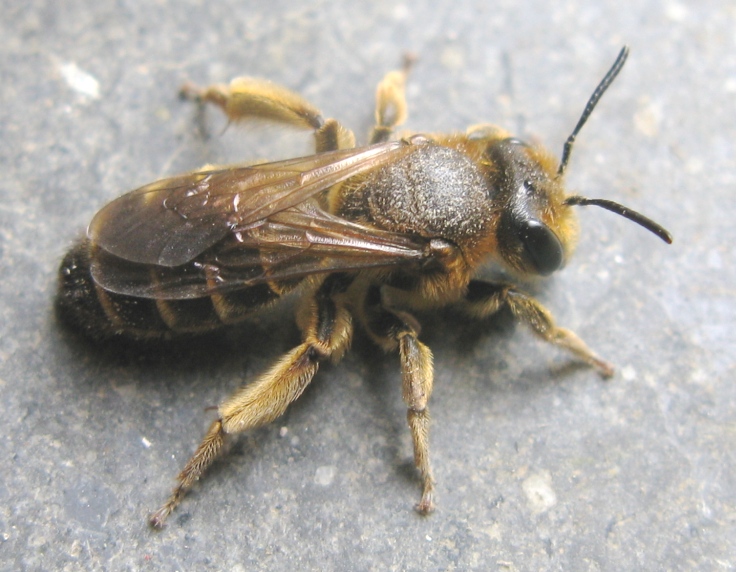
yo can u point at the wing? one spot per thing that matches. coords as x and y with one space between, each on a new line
171 222
289 245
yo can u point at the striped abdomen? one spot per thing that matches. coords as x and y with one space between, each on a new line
97 312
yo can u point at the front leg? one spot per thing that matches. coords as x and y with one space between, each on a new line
392 329
486 298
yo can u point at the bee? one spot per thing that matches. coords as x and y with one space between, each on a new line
367 234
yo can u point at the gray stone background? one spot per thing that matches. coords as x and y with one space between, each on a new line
541 465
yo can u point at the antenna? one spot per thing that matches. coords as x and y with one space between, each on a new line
612 206
625 212
590 106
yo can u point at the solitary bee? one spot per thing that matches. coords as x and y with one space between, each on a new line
368 234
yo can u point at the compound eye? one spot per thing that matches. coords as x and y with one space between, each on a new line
541 246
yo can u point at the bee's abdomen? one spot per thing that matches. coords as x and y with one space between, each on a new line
98 312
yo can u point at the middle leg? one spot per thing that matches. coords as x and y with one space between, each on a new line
392 329
391 102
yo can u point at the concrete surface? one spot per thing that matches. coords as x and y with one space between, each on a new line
540 464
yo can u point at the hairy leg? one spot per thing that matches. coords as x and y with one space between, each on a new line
485 298
327 333
392 329
251 98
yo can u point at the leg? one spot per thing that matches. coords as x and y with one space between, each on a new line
391 329
249 98
326 334
486 298
391 102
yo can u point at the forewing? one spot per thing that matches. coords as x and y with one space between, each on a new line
292 244
172 221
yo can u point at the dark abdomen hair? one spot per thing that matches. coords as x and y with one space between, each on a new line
100 313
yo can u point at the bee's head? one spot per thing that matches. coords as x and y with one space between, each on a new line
535 232
537 229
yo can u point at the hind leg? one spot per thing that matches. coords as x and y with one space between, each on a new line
251 98
327 332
